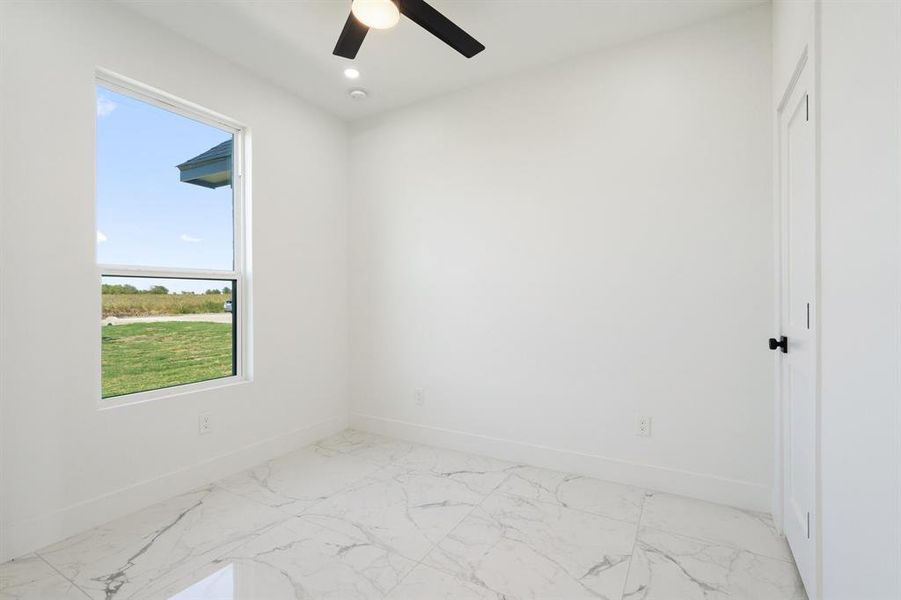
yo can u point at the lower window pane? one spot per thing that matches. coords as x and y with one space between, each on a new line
158 333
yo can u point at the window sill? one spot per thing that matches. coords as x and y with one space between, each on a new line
171 392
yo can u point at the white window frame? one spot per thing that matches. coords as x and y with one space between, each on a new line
241 222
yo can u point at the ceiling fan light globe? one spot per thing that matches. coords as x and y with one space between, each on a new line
376 14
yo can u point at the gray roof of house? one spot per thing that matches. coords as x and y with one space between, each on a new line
209 169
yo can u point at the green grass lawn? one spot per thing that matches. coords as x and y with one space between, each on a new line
148 356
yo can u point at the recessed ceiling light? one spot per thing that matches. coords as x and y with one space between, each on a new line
358 94
351 73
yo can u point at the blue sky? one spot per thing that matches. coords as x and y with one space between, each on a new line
145 215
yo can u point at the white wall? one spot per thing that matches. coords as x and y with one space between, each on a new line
551 255
65 464
860 156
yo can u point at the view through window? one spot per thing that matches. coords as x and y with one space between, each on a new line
166 246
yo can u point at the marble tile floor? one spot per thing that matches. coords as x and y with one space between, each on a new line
364 516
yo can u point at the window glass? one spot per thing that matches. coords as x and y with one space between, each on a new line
164 194
162 332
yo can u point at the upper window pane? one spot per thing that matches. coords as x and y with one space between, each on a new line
164 193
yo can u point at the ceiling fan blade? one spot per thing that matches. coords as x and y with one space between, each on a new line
351 38
441 27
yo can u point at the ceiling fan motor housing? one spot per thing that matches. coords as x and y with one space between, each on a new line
418 11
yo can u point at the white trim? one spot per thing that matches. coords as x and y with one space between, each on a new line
815 41
240 234
28 535
241 222
164 272
172 391
704 486
796 75
159 98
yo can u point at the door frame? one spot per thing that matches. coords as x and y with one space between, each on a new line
805 63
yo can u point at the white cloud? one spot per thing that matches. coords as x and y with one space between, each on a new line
190 239
105 106
101 237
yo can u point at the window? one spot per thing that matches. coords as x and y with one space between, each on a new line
170 243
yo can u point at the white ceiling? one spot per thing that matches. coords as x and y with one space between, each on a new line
290 42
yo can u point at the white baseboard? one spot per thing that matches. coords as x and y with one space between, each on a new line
743 494
32 534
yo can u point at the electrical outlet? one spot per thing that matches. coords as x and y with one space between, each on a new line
643 427
204 424
419 396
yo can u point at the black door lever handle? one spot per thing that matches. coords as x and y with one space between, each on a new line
781 343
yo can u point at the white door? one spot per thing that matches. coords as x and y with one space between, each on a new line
797 163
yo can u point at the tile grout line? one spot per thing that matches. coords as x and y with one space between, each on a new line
646 494
715 542
720 543
381 467
288 516
173 574
644 491
303 513
514 495
450 531
384 467
252 535
444 537
60 573
634 546
496 491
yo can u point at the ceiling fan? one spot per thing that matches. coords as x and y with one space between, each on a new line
384 14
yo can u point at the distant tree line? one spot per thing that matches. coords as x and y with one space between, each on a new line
126 288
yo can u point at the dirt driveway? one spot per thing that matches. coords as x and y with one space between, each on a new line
208 318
